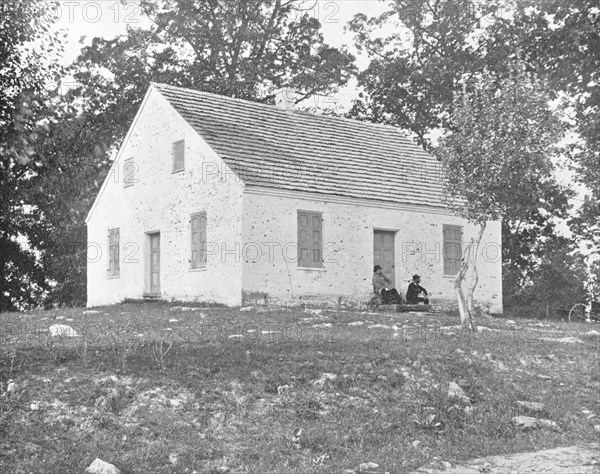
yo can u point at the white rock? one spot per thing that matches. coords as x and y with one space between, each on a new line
416 443
313 311
62 330
455 392
379 326
324 325
173 458
101 467
530 407
594 333
568 340
173 320
510 321
91 311
525 422
528 422
323 379
235 336
597 428
247 308
367 466
356 323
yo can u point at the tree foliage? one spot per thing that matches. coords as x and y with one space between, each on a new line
415 72
27 116
561 41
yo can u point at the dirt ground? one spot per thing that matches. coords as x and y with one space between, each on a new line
571 460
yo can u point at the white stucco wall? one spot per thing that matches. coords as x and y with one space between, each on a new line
270 224
163 202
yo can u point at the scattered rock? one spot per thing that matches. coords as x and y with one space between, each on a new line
379 326
416 443
532 408
597 428
528 422
313 311
456 393
247 308
593 333
173 459
62 330
367 466
568 340
101 467
323 379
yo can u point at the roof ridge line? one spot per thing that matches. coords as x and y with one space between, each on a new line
399 130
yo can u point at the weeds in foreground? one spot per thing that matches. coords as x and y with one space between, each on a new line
158 351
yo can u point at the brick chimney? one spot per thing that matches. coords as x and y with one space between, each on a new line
285 98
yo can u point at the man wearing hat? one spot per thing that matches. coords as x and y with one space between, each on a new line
414 290
381 286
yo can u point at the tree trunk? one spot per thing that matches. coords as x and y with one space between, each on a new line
473 275
460 297
468 267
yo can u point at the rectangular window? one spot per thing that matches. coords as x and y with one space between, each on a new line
113 252
310 239
452 249
130 169
198 231
178 156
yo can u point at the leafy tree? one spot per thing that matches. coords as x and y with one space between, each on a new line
26 118
555 284
415 72
497 161
561 40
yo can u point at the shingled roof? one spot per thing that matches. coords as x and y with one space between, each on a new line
300 151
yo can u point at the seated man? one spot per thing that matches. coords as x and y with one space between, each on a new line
381 286
414 290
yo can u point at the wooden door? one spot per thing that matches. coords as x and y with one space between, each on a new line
155 264
383 253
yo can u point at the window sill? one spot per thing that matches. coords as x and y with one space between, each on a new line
178 171
451 276
312 269
113 277
201 269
